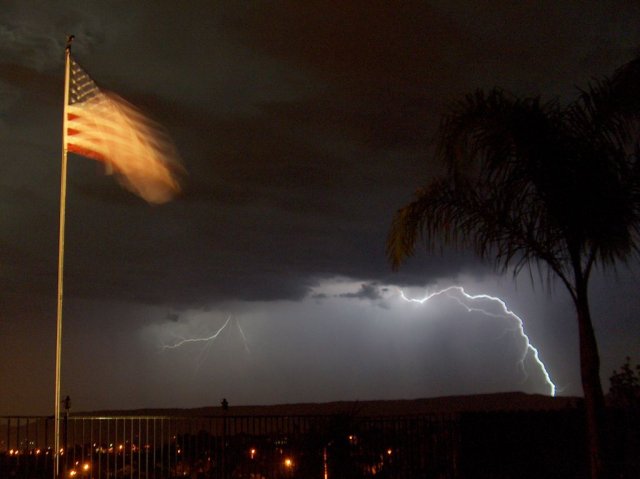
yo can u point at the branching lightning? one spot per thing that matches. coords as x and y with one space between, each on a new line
211 338
207 341
464 299
184 341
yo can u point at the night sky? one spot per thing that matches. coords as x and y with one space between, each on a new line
302 126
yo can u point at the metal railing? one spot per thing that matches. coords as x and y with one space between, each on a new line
523 444
224 447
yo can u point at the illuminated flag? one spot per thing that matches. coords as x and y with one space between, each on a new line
102 126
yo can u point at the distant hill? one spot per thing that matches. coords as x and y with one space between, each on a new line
514 401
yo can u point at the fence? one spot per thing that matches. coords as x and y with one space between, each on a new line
256 447
469 445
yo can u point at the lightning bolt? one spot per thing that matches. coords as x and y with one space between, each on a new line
244 338
184 341
208 340
505 312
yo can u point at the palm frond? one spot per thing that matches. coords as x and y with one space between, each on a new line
529 182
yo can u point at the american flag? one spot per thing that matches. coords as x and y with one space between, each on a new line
102 126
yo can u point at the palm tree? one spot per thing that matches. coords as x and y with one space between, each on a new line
538 184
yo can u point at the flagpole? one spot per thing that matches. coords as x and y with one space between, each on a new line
63 202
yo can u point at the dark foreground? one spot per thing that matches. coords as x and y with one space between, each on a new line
341 444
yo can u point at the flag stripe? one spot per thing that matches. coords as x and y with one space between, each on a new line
87 153
104 127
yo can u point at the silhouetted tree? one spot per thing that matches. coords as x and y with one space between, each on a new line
624 386
533 183
624 398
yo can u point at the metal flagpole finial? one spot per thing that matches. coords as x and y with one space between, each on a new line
69 40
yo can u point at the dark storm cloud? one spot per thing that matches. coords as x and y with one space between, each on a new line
366 291
327 135
32 33
371 292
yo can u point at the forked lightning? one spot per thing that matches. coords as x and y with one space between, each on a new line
211 338
463 298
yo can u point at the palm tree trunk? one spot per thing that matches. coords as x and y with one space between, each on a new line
591 386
